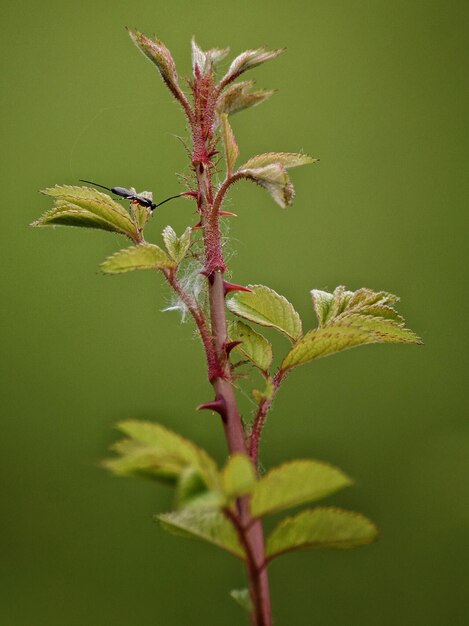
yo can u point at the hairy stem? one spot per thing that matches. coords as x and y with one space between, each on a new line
261 416
250 530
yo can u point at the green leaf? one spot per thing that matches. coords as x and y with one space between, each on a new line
159 54
346 333
322 302
246 61
89 208
242 597
348 319
324 527
239 97
144 256
287 159
208 525
177 247
274 179
267 308
156 452
238 476
229 141
255 347
296 482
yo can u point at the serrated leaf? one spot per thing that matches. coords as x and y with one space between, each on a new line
229 142
295 482
145 256
287 159
242 597
238 476
239 97
346 322
86 207
177 247
254 346
246 61
211 526
156 452
267 308
159 54
274 179
324 527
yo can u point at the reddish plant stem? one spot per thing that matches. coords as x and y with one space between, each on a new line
261 416
249 529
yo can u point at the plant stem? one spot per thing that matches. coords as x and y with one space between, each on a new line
250 530
260 418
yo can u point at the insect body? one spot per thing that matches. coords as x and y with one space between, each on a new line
131 195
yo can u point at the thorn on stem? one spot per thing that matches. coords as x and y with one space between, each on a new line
227 214
229 287
217 406
198 225
230 345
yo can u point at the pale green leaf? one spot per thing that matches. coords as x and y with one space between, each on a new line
177 247
208 525
246 61
295 482
287 159
144 256
86 207
239 97
323 527
243 598
274 179
254 346
156 452
159 54
322 302
266 307
346 331
229 142
238 476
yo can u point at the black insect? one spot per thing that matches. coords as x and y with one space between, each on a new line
130 195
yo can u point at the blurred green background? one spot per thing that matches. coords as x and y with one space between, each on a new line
377 91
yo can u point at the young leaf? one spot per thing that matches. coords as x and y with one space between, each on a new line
324 527
254 346
243 598
145 256
238 476
229 142
159 54
348 319
322 302
287 159
205 60
211 526
156 452
295 482
239 97
267 308
275 180
177 247
246 61
86 207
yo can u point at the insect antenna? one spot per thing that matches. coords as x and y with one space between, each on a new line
168 199
95 184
